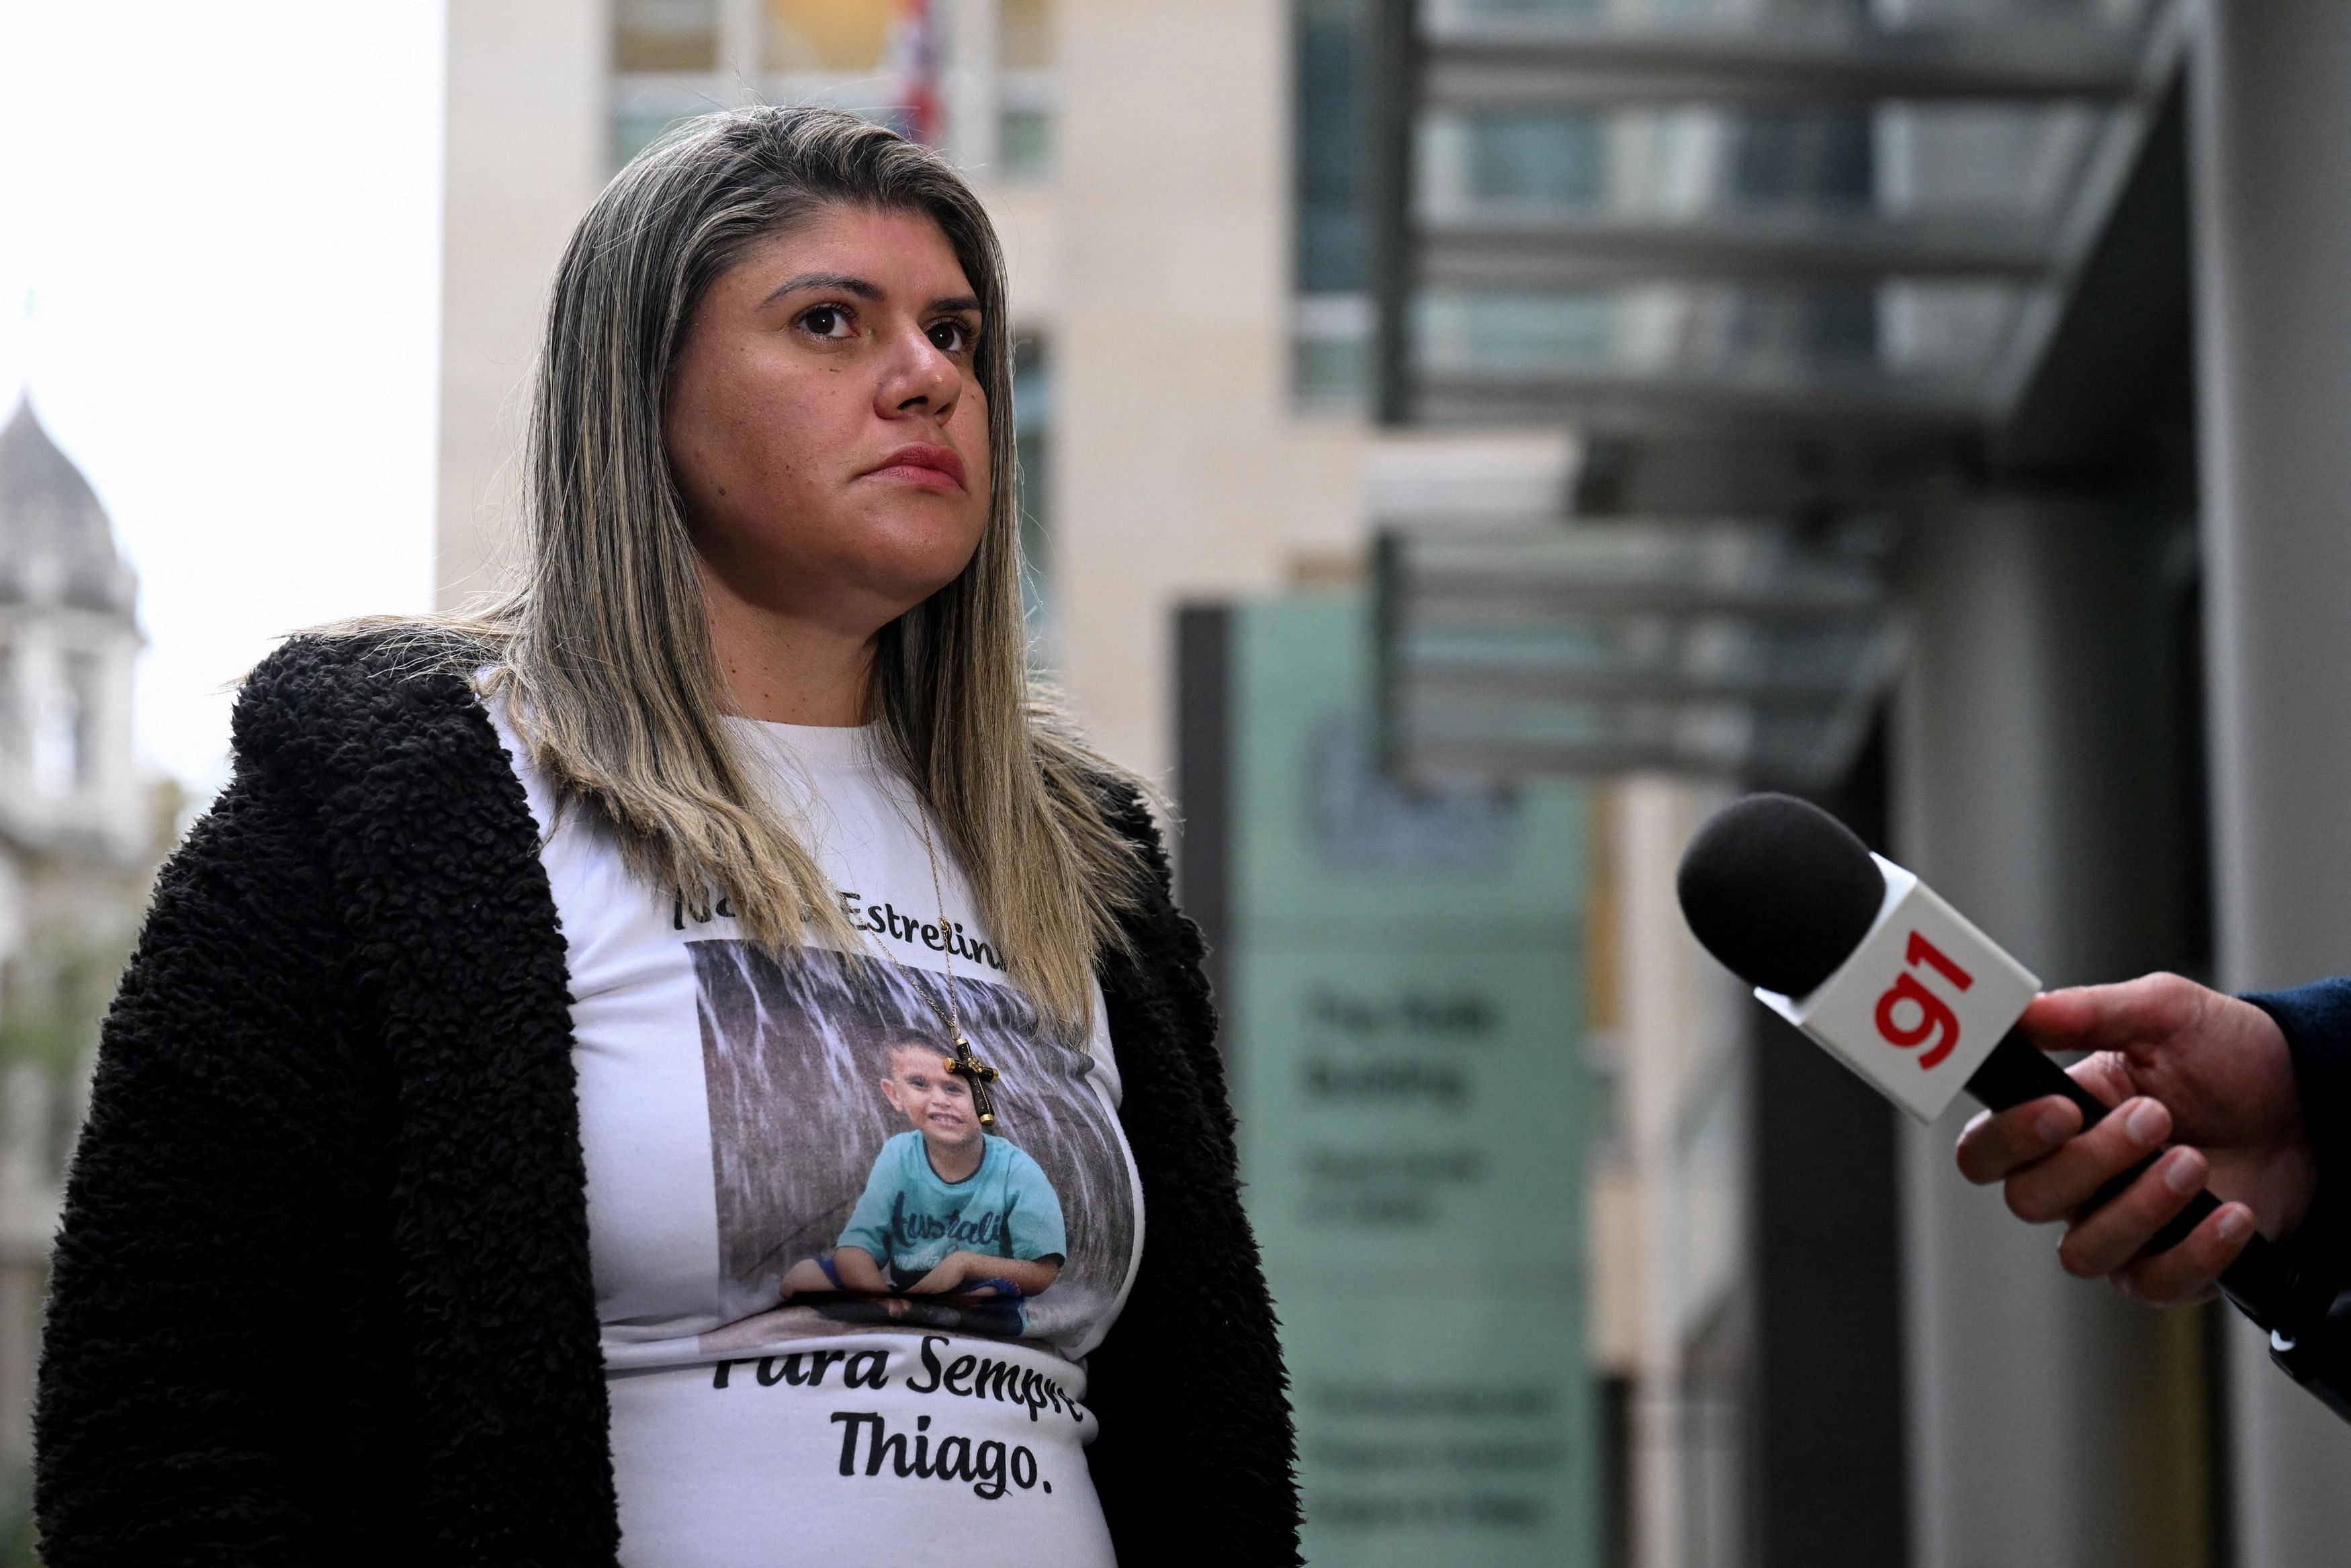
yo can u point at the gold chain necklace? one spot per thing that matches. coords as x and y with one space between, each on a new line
963 1064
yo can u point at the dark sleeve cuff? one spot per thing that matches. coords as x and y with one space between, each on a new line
2316 1022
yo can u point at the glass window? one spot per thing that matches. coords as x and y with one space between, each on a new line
1329 174
2003 162
1557 159
633 130
63 755
829 36
82 692
15 743
1024 142
665 35
1787 156
1032 427
1024 56
1517 332
1330 328
1331 350
1945 332
1529 10
1024 35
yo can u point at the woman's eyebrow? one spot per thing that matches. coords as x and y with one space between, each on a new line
957 301
843 280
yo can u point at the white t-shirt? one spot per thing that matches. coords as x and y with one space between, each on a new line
765 1133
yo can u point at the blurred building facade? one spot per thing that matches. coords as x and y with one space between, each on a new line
80 836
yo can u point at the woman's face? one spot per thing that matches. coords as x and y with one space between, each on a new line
826 422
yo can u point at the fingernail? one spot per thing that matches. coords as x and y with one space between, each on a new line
2052 1125
2236 1225
2145 1124
2180 1173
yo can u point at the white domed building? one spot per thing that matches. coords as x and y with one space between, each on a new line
68 638
80 834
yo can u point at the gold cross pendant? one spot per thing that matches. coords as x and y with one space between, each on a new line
975 1072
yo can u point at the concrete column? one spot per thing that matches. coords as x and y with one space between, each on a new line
2270 149
1681 1020
2031 789
527 138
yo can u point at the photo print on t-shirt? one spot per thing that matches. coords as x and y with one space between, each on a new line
855 1187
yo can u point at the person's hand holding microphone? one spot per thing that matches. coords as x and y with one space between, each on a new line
2184 1066
1865 960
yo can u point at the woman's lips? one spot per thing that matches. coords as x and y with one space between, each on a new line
930 467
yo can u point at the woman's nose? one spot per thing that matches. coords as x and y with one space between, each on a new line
920 375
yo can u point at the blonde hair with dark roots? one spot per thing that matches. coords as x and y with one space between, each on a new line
604 647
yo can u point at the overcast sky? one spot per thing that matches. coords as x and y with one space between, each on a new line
227 221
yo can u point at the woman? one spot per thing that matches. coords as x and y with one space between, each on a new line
503 1147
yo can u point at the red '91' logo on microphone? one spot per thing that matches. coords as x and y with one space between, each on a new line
1934 1019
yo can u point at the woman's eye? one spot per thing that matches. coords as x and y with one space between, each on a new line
951 337
827 321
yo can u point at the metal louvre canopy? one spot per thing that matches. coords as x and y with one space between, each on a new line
1509 249
1506 62
1777 196
1721 649
1842 232
1763 396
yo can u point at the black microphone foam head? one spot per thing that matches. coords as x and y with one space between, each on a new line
1779 891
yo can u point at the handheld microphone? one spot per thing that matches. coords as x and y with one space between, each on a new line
1864 959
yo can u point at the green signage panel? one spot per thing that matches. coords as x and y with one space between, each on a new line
1405 1004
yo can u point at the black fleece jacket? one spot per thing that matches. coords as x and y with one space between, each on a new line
322 1290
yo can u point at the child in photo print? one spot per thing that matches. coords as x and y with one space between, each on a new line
947 1210
856 1183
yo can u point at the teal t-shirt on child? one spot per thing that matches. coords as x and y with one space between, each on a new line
909 1219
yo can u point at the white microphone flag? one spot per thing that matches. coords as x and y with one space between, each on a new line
1919 1005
